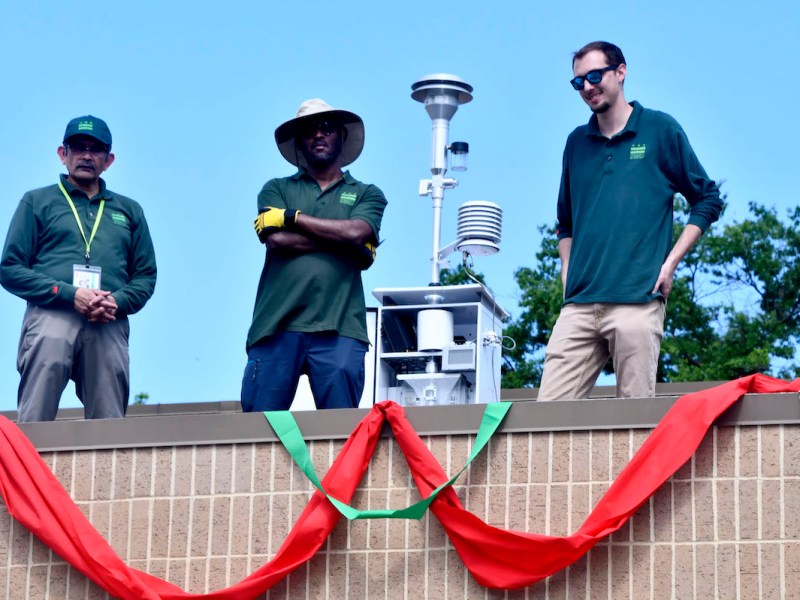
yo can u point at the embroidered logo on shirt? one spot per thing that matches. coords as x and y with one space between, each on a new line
118 218
348 198
637 151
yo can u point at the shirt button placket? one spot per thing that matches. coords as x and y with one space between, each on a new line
608 159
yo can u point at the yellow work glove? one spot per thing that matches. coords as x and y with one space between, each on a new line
366 255
271 219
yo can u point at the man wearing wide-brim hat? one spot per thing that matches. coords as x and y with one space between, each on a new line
320 227
82 258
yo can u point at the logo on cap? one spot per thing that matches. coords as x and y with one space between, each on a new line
86 126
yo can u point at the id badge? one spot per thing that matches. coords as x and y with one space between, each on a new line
86 277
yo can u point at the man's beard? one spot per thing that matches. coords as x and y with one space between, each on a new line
324 158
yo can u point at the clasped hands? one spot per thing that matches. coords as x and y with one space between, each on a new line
99 306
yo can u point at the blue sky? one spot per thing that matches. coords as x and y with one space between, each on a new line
193 94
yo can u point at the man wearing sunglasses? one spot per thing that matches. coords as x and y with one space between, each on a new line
620 174
320 227
82 258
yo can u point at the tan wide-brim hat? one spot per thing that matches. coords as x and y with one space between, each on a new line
314 109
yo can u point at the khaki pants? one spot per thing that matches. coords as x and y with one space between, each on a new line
584 337
57 345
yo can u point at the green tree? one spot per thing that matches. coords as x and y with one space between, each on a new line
756 263
460 276
540 302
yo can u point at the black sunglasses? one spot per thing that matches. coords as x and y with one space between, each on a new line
594 77
324 127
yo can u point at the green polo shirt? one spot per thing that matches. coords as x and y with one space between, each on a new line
313 292
616 200
44 242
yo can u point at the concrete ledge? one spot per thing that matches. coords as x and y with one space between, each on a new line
222 422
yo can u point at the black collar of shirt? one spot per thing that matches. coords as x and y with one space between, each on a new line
303 174
72 190
631 127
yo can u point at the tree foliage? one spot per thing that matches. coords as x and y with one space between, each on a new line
540 302
460 276
755 264
734 309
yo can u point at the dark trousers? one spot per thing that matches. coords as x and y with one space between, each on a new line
334 365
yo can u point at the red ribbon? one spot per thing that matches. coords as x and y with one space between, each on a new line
497 558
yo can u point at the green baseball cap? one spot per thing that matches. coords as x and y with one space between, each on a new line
91 126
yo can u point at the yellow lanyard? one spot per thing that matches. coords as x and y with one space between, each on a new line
78 219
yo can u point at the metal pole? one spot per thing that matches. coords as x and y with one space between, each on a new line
441 129
441 94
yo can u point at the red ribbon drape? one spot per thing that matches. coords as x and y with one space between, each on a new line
497 558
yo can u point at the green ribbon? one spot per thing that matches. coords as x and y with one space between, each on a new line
289 434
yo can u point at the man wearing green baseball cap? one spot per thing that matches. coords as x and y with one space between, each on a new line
82 258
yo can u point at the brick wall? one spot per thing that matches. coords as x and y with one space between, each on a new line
727 525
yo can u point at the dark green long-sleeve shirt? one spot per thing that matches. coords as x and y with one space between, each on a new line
616 200
44 243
